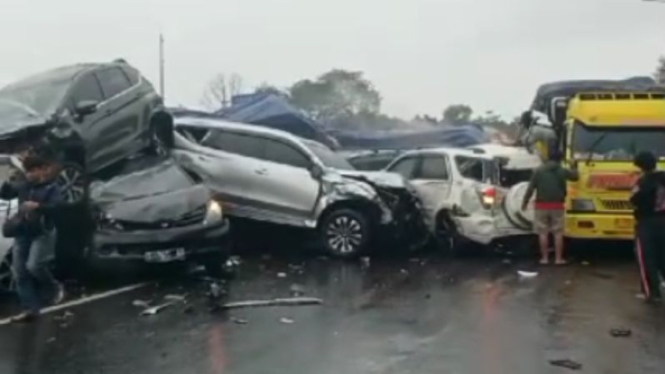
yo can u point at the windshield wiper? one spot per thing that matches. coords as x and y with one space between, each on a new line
595 144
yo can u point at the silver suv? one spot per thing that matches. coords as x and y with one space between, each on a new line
270 175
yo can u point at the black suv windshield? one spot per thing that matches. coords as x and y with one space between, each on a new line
617 144
328 157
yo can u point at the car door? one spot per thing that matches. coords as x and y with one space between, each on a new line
87 88
230 163
119 130
287 186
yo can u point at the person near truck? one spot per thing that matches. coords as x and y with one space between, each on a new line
648 199
548 182
33 230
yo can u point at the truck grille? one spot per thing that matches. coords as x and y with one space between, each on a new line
616 205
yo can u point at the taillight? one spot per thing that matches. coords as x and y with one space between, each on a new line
489 196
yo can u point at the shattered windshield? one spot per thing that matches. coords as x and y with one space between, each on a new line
328 157
616 144
163 178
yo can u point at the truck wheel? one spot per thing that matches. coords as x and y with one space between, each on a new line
345 233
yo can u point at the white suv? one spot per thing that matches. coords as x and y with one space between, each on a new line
471 194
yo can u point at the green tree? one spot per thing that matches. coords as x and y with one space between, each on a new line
660 71
458 113
335 94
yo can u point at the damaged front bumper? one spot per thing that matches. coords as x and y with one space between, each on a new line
177 244
407 225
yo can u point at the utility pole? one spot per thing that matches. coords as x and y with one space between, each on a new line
161 65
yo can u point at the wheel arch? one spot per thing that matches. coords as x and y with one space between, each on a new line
369 209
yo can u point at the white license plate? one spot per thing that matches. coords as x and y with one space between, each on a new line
167 255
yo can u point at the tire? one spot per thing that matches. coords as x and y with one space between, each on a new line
159 144
6 276
73 183
447 238
345 233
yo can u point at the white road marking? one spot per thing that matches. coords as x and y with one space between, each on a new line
84 300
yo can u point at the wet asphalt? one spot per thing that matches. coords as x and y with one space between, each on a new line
423 313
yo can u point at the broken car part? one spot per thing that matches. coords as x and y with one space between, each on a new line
295 301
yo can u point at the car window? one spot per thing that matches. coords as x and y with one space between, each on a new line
434 168
133 74
282 153
470 167
405 167
113 81
240 144
87 88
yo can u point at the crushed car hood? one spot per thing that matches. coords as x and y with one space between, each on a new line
157 208
16 119
384 179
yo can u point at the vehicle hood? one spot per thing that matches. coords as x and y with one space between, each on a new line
16 119
156 208
380 178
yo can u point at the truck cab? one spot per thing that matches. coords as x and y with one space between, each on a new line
600 127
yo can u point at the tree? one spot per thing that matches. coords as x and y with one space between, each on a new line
660 71
458 113
335 94
221 89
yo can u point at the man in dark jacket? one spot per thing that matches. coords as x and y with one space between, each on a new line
549 184
648 198
34 235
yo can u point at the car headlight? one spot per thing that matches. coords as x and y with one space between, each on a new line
213 213
583 205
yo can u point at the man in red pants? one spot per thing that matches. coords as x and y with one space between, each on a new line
648 198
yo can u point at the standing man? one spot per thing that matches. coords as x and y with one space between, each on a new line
549 184
34 233
648 198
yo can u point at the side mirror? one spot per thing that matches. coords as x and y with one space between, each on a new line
316 171
86 107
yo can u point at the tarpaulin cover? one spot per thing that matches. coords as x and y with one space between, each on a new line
453 136
276 112
548 91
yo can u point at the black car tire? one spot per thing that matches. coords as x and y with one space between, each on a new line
345 233
73 183
159 142
448 239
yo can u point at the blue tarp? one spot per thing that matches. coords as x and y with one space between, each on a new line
276 112
450 136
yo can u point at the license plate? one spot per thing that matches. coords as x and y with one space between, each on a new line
624 223
167 255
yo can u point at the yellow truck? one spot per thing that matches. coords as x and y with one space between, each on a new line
599 126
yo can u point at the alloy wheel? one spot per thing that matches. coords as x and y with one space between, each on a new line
344 235
72 183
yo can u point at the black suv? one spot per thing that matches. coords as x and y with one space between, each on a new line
87 116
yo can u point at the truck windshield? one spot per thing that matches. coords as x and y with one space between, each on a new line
616 144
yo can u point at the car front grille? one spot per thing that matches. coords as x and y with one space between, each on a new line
192 218
616 205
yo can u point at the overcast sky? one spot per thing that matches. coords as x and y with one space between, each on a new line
421 54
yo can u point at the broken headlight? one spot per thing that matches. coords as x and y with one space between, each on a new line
213 213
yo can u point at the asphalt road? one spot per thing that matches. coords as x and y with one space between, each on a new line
401 315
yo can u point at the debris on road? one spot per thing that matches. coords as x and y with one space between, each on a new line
287 321
295 301
141 303
156 309
507 261
66 316
585 263
281 275
189 309
527 274
239 321
568 364
297 290
365 261
215 291
172 297
621 333
233 261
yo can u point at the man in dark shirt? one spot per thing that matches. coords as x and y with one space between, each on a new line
34 235
648 198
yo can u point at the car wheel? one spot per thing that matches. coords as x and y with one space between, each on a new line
345 233
158 145
72 183
448 238
6 274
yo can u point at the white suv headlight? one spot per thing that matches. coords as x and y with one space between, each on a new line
214 213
